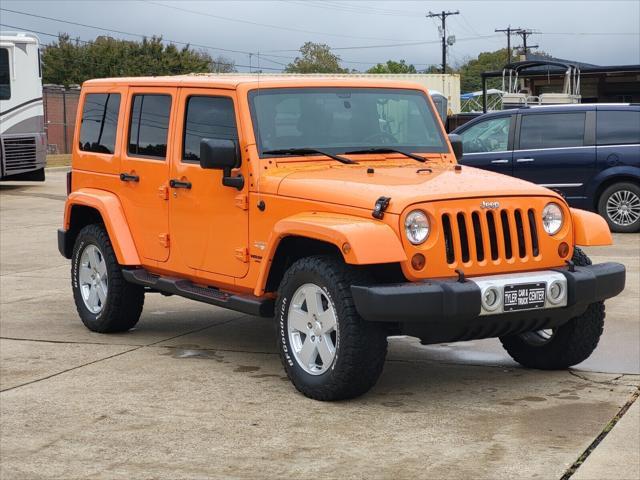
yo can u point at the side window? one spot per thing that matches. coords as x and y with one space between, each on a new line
552 130
207 117
149 125
617 127
489 136
5 77
99 122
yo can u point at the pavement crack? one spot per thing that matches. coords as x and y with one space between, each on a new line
69 370
71 342
601 382
605 431
137 347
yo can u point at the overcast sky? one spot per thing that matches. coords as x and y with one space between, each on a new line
599 32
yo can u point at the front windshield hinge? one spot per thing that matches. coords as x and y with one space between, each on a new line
381 205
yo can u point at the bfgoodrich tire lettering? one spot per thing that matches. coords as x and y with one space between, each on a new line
360 347
123 303
567 345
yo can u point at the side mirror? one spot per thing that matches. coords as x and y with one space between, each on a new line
222 154
456 145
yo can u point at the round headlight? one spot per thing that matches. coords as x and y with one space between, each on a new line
416 227
552 218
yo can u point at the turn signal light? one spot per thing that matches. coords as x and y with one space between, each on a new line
563 249
418 261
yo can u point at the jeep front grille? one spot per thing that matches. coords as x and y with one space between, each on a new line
480 235
19 153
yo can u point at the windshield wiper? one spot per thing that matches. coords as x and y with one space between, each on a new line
308 151
389 150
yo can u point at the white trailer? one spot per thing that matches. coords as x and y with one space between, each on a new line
23 142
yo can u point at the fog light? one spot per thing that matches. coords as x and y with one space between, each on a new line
555 292
563 249
418 261
491 299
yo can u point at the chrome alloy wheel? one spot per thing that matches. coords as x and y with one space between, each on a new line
539 337
92 279
313 329
623 207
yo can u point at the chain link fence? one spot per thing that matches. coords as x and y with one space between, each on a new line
60 107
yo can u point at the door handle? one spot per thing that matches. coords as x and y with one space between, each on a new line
128 177
502 160
525 160
173 183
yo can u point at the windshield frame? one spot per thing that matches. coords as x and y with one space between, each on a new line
340 150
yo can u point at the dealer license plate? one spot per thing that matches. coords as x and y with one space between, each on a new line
524 296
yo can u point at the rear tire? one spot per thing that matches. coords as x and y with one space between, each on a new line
564 346
619 204
328 351
105 301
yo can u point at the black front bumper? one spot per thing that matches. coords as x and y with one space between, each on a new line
449 310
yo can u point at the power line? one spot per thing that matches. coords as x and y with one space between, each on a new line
259 24
443 18
78 39
121 32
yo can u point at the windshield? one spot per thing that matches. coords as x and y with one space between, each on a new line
339 120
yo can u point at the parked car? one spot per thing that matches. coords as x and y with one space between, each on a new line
335 207
589 153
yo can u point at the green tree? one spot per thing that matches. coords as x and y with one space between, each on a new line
393 67
222 64
470 72
68 61
315 58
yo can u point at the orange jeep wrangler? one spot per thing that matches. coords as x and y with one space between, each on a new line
335 206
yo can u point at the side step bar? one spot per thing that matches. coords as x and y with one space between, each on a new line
262 307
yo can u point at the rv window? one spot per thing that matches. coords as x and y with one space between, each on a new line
207 117
99 122
618 127
5 78
149 125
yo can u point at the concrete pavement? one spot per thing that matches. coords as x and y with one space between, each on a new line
198 392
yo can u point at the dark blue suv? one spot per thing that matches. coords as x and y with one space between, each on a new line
590 153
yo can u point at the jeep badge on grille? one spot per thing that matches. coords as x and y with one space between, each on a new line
489 205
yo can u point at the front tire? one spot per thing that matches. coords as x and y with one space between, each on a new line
564 346
328 351
105 301
619 204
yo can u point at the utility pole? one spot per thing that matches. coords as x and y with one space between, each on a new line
443 18
508 31
524 34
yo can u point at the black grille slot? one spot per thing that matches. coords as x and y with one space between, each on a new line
522 248
506 234
464 239
493 238
534 232
19 152
448 239
477 234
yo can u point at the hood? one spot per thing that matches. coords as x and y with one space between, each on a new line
406 184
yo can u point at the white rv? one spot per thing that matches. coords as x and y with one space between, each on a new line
22 138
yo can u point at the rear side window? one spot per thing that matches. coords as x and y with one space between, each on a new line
552 130
99 122
5 78
207 117
149 125
618 127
